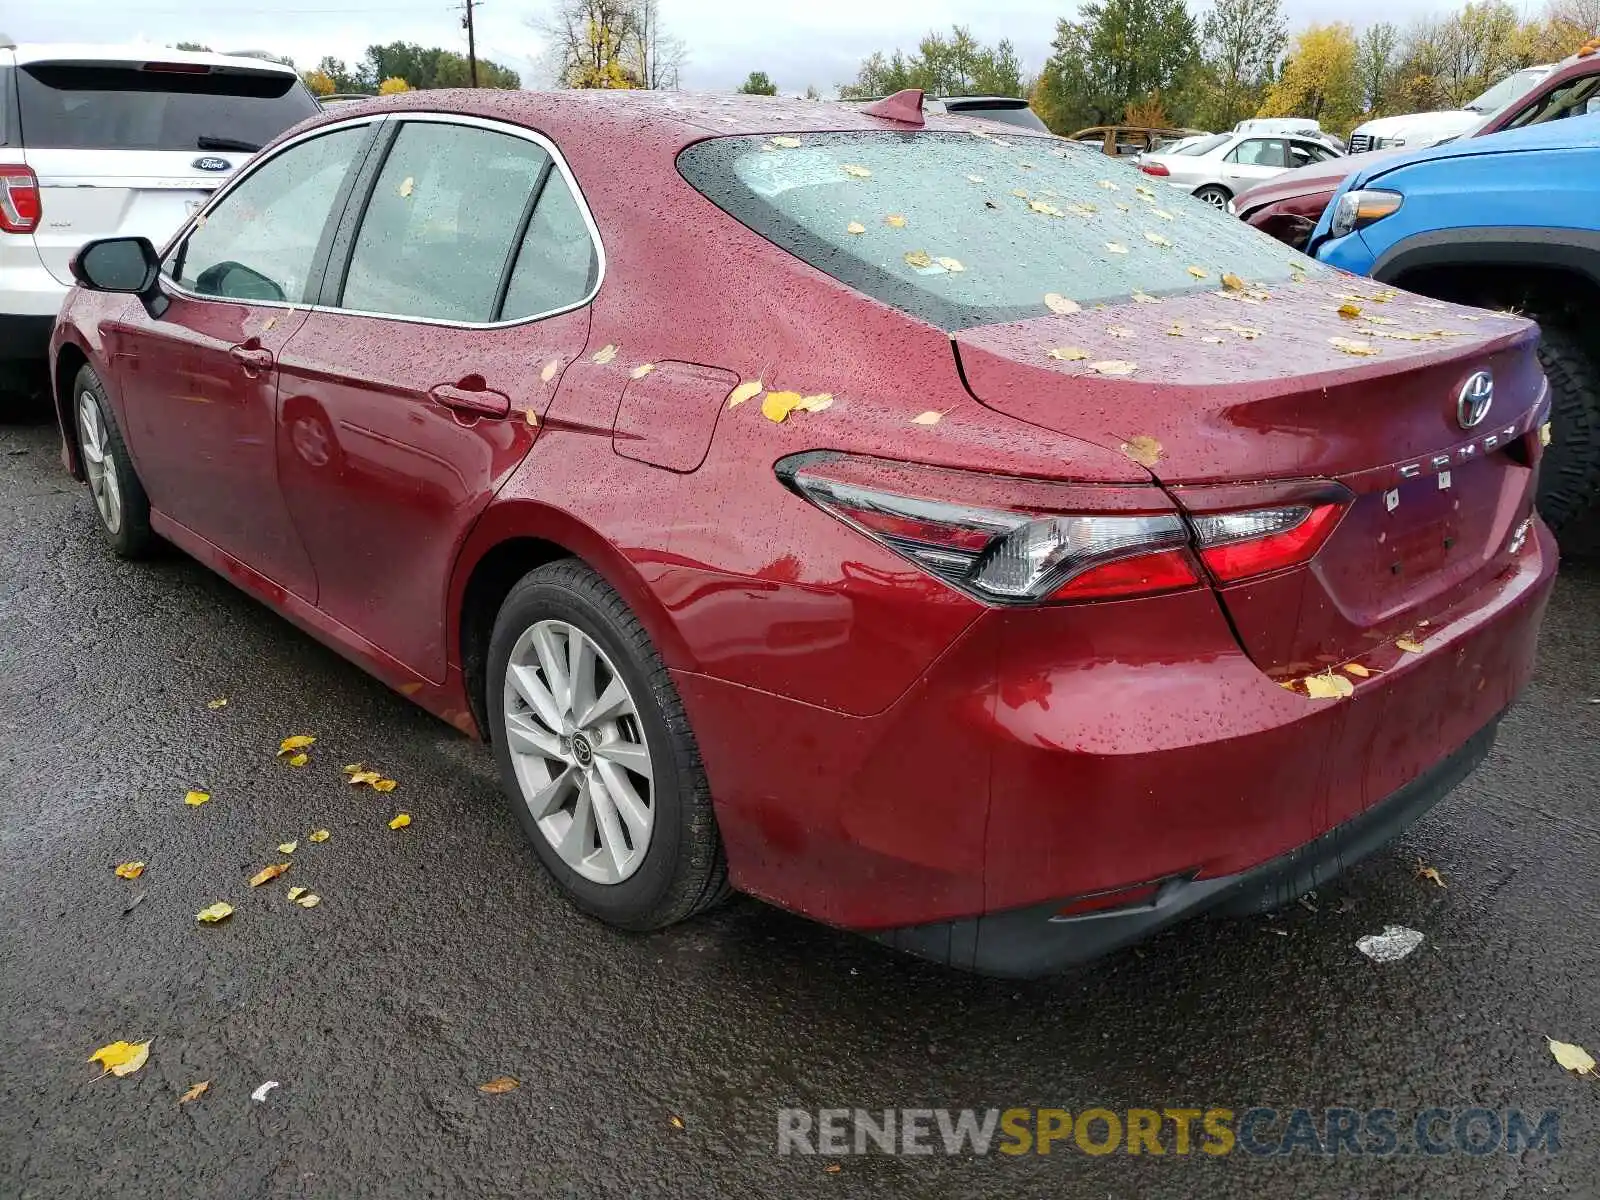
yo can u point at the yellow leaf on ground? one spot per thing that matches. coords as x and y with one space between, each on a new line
298 760
1113 366
195 799
1199 272
895 221
953 265
219 702
400 821
1232 282
641 370
122 1058
855 227
295 893
195 1091
352 768
747 389
1426 872
1116 248
1352 346
1571 1057
1156 239
927 418
918 259
288 847
320 835
1409 646
1328 687
855 172
298 742
1057 303
310 901
211 914
129 870
550 369
360 777
384 785
498 1087
1069 354
604 355
786 143
1144 450
675 1121
1349 310
268 873
1357 670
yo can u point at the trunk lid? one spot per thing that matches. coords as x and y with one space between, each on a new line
1274 412
132 148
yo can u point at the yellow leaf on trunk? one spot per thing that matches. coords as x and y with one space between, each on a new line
855 227
1357 670
641 370
1113 366
1328 687
1199 272
550 369
1059 304
856 172
1069 354
1349 310
918 259
746 390
895 221
1409 646
1232 282
1144 450
1116 248
927 418
604 355
1352 346
786 143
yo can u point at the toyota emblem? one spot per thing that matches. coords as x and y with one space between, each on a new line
1472 405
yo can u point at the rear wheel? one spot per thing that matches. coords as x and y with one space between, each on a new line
596 754
119 497
1213 195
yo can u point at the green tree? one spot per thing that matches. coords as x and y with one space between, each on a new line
343 78
1242 39
1320 79
1116 53
757 84
953 65
1377 59
192 46
427 67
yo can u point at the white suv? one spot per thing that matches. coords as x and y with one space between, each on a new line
100 141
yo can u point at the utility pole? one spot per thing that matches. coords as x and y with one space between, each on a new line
472 46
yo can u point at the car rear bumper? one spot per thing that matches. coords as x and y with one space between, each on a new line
1025 943
1064 752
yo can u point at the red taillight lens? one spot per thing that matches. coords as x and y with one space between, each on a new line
1241 545
19 199
1158 169
178 68
955 525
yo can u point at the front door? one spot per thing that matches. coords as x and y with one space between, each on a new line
199 383
456 296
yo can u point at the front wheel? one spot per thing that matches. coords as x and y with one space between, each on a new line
1213 195
119 497
596 754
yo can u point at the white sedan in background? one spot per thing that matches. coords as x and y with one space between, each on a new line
1219 167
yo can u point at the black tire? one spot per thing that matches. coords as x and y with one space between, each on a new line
684 870
1569 479
1214 195
129 535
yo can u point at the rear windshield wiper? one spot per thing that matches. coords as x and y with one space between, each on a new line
215 143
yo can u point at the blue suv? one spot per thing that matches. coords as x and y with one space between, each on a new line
1508 221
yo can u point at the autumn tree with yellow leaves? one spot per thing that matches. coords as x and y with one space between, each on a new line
1319 78
611 44
392 85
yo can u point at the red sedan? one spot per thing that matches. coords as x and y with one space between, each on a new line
935 532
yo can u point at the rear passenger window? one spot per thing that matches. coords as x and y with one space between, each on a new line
445 213
556 264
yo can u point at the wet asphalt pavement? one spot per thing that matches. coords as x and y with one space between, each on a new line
441 958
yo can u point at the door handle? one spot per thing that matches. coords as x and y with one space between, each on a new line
482 403
251 358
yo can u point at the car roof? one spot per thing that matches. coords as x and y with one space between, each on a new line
1568 133
93 52
674 118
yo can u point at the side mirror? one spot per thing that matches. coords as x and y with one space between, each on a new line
125 264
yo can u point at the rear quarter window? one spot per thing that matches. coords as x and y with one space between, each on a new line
961 230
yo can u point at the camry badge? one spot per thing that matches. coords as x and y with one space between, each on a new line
1472 403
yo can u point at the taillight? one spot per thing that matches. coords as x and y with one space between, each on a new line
1154 168
1239 545
19 199
1049 545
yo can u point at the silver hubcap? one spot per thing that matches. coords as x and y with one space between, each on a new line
1215 200
98 462
578 749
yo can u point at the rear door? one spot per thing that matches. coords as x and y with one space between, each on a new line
457 294
135 148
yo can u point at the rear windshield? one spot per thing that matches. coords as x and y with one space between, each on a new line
962 230
1203 145
1018 114
108 107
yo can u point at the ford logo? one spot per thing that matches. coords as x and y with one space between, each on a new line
210 163
1472 403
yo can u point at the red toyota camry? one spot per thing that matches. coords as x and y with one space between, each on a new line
925 527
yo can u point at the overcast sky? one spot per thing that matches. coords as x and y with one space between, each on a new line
797 42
